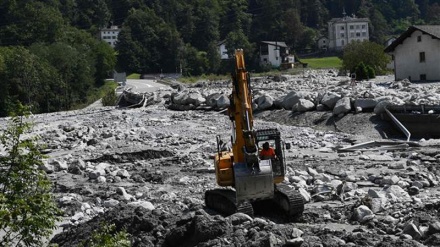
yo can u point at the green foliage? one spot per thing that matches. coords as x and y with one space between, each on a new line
107 236
364 72
109 98
323 63
28 212
368 53
146 44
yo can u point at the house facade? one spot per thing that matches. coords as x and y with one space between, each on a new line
416 54
222 50
273 53
323 43
342 31
110 35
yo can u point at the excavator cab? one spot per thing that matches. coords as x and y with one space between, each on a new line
278 163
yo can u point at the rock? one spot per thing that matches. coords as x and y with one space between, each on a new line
110 203
59 165
413 190
305 195
412 230
291 99
329 99
395 192
303 105
296 242
145 204
264 102
342 106
362 213
434 227
78 216
239 218
365 103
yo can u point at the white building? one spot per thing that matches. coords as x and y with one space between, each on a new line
222 50
273 52
110 35
416 54
342 31
323 43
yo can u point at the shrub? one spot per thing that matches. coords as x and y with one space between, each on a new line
107 236
28 212
109 98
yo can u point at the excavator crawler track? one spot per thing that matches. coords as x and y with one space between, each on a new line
289 200
223 201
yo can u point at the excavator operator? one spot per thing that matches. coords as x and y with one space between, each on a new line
267 152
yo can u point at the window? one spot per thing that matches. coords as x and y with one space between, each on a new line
342 27
364 34
363 26
264 50
392 57
342 42
358 34
351 27
419 38
423 77
342 35
352 35
422 57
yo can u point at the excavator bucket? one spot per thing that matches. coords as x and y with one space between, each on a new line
253 184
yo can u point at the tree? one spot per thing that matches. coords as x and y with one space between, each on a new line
28 212
369 53
146 44
31 22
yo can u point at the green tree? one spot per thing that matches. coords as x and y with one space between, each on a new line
27 22
28 212
194 62
369 53
146 44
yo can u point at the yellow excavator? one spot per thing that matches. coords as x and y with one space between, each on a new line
246 176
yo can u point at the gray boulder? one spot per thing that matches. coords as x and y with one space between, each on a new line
264 102
303 105
330 99
342 106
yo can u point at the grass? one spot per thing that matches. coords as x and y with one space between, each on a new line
134 76
210 77
323 63
98 93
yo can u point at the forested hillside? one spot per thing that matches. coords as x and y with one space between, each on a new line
50 57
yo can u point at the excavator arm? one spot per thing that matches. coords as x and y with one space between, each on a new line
240 112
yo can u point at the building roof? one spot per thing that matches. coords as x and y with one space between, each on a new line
275 43
348 19
432 30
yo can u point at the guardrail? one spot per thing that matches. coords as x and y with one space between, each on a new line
399 124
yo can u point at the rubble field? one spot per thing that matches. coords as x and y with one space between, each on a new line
146 169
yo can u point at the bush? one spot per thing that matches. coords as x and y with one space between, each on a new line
107 236
366 52
109 98
28 212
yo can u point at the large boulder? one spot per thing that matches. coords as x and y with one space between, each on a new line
330 99
217 100
264 102
342 106
292 98
366 104
303 105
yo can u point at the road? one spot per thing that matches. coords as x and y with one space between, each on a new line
144 85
